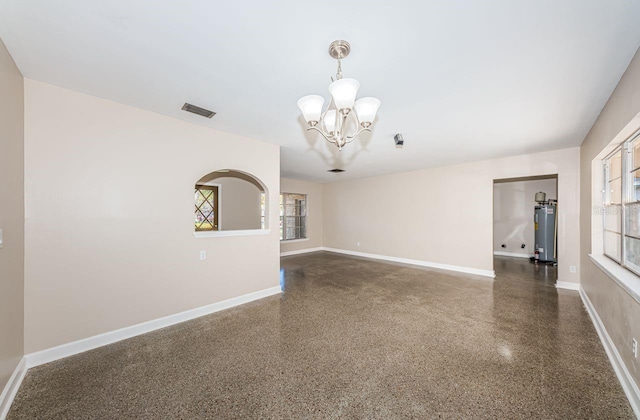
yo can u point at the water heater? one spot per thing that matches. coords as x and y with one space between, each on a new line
545 231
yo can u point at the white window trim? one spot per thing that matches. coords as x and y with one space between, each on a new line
627 280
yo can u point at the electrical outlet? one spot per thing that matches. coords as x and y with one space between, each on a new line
357 243
572 268
634 347
203 255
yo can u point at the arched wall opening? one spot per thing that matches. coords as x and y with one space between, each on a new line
230 200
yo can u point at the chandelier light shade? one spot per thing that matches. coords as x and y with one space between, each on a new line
366 108
332 122
311 107
344 93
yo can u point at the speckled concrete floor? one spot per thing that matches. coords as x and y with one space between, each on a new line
353 338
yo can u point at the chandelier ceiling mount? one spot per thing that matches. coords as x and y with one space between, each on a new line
339 49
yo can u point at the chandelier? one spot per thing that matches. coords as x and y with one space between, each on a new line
332 123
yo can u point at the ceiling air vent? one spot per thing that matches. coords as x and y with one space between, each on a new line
336 171
197 110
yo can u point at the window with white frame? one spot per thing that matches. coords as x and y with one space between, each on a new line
621 197
293 216
263 211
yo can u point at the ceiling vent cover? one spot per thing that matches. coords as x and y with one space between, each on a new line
197 110
336 171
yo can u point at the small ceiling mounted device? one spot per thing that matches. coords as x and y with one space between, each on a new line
398 139
197 110
336 170
332 122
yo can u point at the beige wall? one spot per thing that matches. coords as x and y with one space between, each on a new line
240 204
513 208
445 215
619 312
11 215
314 218
105 248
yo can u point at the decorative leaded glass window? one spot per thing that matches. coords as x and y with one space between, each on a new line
206 201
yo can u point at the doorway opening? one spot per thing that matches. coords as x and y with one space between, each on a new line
525 218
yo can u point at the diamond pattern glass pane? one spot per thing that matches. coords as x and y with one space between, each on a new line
206 207
205 213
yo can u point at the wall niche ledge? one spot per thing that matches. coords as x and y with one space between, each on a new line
223 233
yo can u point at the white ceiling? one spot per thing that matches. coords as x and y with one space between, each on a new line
462 80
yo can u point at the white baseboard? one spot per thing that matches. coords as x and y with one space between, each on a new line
11 388
459 269
511 254
626 380
567 285
75 347
301 251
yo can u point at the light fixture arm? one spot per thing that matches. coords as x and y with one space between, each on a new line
357 133
339 140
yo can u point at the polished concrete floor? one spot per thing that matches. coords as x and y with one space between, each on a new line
353 338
